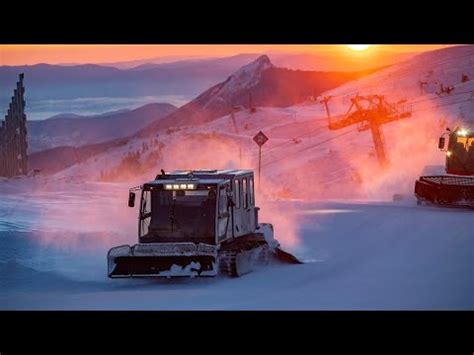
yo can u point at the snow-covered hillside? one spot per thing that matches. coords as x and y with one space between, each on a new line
338 163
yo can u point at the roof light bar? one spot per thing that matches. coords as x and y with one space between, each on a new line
180 186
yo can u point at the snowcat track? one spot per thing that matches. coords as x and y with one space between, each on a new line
153 266
446 191
242 258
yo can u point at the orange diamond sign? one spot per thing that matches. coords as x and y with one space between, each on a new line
260 138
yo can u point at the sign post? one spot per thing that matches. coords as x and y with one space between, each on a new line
260 139
236 131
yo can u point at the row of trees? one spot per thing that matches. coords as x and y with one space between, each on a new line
132 164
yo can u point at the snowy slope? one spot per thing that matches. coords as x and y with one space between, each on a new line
363 256
299 138
259 83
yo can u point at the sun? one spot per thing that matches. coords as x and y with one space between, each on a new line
358 47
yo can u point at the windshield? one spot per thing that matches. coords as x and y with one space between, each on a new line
461 157
181 215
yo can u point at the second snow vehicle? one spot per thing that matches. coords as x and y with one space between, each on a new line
196 223
456 187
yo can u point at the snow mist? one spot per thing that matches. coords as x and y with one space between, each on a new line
411 145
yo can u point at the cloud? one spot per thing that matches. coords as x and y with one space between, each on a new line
42 109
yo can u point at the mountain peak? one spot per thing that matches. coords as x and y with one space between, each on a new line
243 79
264 59
254 68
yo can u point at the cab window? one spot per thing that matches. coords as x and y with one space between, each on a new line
146 202
244 193
462 141
237 193
222 200
251 192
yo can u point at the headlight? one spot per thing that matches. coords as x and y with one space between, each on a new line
180 186
463 132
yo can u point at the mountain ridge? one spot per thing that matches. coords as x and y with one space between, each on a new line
83 130
259 80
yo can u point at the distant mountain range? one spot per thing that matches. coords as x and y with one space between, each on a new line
260 80
47 84
90 88
76 130
323 61
45 81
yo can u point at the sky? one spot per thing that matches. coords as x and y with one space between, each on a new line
80 54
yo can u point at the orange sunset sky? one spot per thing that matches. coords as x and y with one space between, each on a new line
64 54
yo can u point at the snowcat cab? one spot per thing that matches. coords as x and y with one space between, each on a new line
195 223
456 188
460 152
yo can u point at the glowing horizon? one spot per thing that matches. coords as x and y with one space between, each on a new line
358 47
102 54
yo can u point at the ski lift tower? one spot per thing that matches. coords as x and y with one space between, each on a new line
369 112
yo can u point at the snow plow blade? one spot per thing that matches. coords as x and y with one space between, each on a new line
267 230
162 260
287 257
445 190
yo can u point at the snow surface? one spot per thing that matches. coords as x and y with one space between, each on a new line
365 255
